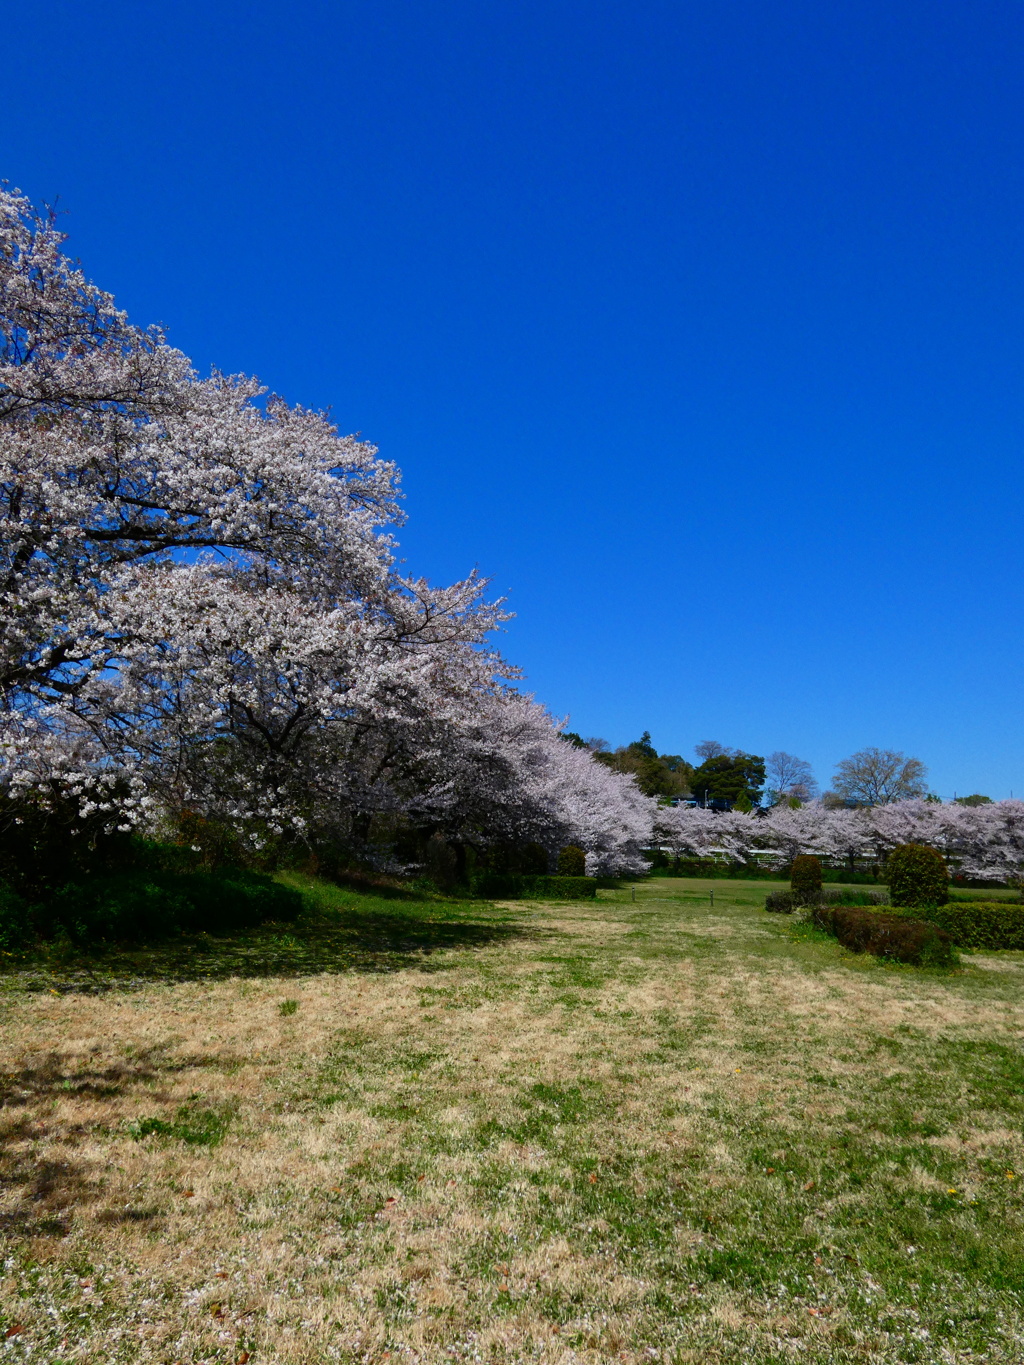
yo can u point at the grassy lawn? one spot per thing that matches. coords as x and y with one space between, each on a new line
611 1131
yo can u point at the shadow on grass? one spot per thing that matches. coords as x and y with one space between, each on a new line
45 1190
45 1193
370 886
332 938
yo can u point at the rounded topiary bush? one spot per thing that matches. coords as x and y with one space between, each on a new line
572 862
917 876
533 861
805 878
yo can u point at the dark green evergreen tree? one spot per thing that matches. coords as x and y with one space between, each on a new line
658 775
725 776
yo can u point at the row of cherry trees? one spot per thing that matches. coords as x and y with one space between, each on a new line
985 841
201 609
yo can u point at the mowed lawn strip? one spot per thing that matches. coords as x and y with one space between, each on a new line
613 1130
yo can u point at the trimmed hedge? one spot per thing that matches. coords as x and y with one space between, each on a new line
979 924
785 902
572 861
707 868
896 937
782 902
805 877
513 886
917 876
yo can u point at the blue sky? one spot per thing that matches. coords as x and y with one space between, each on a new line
698 327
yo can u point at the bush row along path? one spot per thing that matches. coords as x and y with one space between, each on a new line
612 1131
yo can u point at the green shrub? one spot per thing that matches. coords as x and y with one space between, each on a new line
522 860
513 886
533 861
917 876
496 885
897 937
15 924
563 888
785 902
979 924
781 902
211 841
805 878
45 841
845 896
572 862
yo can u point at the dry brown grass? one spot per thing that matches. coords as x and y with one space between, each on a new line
460 1163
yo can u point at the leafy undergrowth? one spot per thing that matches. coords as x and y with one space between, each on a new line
340 929
612 1131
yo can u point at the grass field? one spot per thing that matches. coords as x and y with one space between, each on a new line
612 1131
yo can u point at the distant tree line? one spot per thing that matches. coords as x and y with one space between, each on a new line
724 778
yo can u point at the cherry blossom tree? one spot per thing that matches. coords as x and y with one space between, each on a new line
200 606
687 831
506 776
989 840
115 458
832 835
984 842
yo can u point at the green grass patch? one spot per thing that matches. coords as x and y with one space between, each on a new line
192 1124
